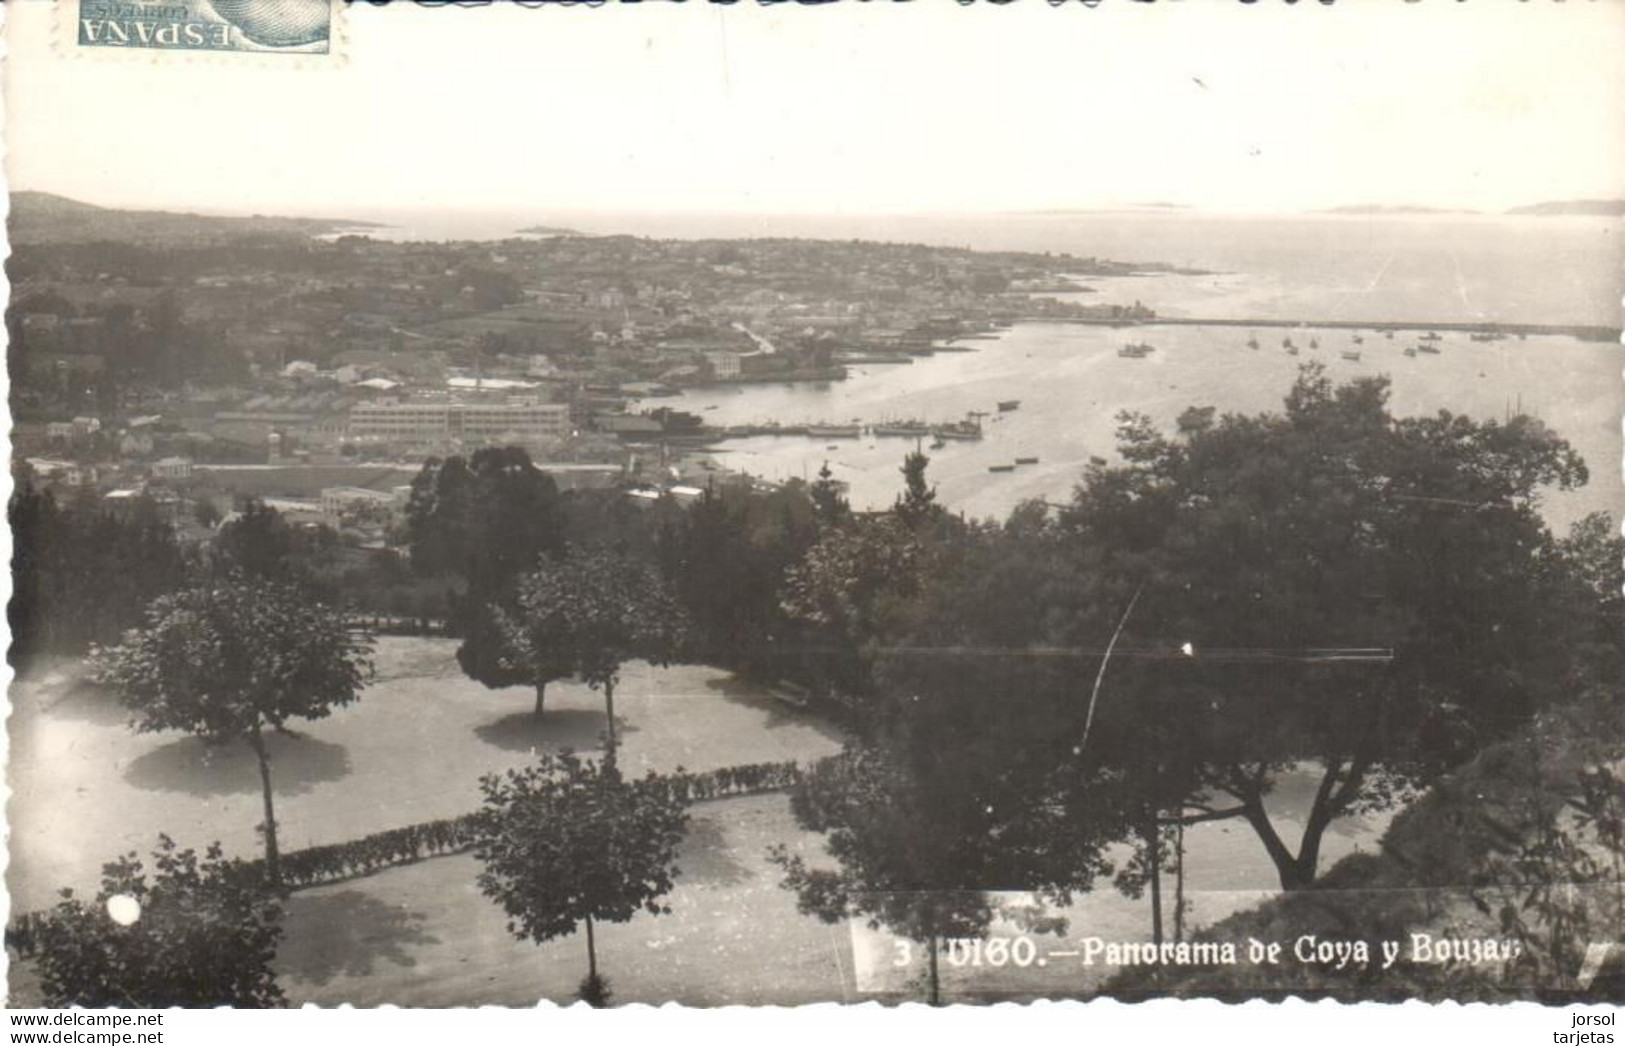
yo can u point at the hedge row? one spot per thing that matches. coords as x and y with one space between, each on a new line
316 865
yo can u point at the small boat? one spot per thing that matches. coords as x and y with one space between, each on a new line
1410 351
1388 334
963 430
1350 354
1286 343
1428 349
937 443
1314 343
1432 336
1009 405
1001 468
1252 343
1359 340
1136 351
1026 461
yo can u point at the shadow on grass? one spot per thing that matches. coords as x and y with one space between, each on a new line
778 711
190 765
346 934
85 702
705 859
579 729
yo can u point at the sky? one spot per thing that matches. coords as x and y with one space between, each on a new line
849 108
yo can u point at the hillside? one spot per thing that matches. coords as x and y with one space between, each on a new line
1609 208
38 217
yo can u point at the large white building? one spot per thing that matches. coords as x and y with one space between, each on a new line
464 423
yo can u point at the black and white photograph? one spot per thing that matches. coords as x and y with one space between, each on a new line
773 504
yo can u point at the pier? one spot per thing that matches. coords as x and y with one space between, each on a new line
1584 332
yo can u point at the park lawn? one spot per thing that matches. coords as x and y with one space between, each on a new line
423 934
85 788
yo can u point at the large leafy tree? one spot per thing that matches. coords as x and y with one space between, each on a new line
483 520
726 556
568 843
1375 597
919 840
232 657
81 574
191 932
587 613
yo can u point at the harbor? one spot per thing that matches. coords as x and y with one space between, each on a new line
1065 385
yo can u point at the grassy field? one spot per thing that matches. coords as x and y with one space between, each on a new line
86 788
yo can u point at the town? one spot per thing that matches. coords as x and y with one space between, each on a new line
183 362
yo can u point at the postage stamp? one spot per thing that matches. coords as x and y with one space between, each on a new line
260 27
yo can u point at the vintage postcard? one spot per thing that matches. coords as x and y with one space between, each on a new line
787 504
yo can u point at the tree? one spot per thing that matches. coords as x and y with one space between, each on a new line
203 933
232 657
486 518
850 588
568 843
588 612
918 502
1374 595
830 506
919 840
82 574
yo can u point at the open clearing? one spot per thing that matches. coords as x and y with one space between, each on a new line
86 788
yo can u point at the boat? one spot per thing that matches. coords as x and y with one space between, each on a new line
1009 405
1432 336
1350 354
1001 468
1026 461
1136 350
1252 343
1314 343
1429 349
1286 343
835 431
958 430
1388 334
937 443
909 429
1359 340
1410 351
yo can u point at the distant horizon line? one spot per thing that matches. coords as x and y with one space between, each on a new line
1537 209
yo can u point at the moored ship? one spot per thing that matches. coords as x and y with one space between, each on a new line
835 431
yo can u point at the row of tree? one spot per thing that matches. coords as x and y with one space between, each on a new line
1325 587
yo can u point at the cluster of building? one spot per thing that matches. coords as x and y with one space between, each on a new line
168 371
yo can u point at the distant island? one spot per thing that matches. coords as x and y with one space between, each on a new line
38 217
549 230
1609 208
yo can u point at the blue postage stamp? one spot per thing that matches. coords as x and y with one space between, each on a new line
299 27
